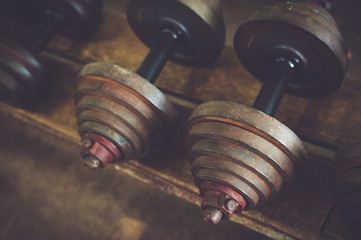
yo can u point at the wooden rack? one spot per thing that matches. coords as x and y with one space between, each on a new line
326 124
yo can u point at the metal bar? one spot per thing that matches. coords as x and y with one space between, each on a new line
273 88
158 55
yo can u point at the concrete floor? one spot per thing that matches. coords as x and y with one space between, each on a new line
46 193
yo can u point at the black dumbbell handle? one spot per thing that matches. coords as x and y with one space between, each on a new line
159 54
273 88
45 31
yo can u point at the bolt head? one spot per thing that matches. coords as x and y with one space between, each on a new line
212 215
92 163
231 205
86 142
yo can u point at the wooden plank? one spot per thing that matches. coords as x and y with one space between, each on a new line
47 194
331 121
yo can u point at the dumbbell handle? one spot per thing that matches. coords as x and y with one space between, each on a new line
273 88
159 54
45 31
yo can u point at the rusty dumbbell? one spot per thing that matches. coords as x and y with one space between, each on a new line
241 156
23 79
121 114
346 173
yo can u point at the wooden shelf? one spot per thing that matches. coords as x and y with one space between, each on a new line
296 213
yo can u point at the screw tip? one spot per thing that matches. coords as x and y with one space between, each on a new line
92 163
231 205
86 142
212 215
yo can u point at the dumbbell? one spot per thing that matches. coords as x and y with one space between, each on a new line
23 79
121 114
346 173
241 156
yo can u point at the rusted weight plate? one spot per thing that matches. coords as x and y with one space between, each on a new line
200 21
244 149
346 174
22 79
123 107
298 29
81 16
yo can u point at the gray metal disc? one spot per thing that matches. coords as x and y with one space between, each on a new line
23 78
302 30
200 21
81 16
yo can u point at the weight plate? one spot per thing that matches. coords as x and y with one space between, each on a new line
123 107
200 21
302 30
23 78
81 16
244 149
